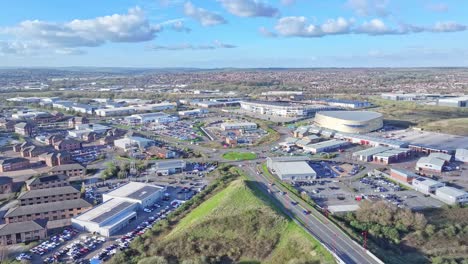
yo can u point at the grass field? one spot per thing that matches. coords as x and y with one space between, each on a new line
239 225
234 155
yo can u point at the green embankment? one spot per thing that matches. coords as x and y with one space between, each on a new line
239 225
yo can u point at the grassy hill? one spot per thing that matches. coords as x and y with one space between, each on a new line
237 225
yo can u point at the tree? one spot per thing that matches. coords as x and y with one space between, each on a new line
419 221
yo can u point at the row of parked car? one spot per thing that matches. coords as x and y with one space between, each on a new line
380 184
76 250
54 241
123 242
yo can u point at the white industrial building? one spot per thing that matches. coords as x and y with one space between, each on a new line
168 167
235 126
325 146
426 185
106 218
136 192
130 142
435 162
291 168
454 102
128 110
350 121
273 108
118 208
194 112
451 195
461 155
158 118
81 129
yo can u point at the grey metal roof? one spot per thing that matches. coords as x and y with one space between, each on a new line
46 178
450 191
352 115
288 159
21 227
46 207
48 192
72 166
108 214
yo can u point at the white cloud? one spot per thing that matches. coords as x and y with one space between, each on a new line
249 8
205 17
369 7
187 46
300 27
449 26
130 27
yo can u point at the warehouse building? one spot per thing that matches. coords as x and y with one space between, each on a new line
403 176
235 126
454 102
291 168
353 104
128 110
106 218
131 142
273 108
461 155
195 112
326 146
350 121
383 155
451 195
136 192
434 163
169 167
158 118
426 185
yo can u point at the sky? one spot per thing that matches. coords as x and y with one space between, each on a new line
234 33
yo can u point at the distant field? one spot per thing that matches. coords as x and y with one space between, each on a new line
456 126
239 155
239 225
434 118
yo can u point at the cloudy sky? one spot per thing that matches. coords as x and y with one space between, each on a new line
234 33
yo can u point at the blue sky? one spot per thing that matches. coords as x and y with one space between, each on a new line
234 33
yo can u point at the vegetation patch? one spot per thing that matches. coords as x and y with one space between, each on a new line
234 155
236 225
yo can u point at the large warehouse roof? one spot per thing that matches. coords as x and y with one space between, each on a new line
352 115
294 168
105 211
135 190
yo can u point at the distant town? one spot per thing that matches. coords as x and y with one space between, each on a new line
95 161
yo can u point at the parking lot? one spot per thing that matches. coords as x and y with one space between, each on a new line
73 246
180 130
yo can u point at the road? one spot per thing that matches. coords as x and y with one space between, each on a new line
316 224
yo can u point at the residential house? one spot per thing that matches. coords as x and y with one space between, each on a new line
24 129
71 170
47 181
12 164
6 185
22 232
68 145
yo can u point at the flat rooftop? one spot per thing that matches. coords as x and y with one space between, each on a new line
294 167
105 211
135 190
427 139
352 115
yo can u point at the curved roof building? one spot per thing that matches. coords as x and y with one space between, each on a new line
350 121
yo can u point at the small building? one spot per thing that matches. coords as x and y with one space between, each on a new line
426 185
383 155
68 145
291 168
6 185
12 164
58 158
132 142
71 170
77 120
195 112
48 195
106 218
136 192
402 175
22 232
158 118
7 125
47 181
451 195
25 129
326 146
169 167
235 126
434 163
461 155
162 153
50 211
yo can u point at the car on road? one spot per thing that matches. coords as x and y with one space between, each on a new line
294 202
